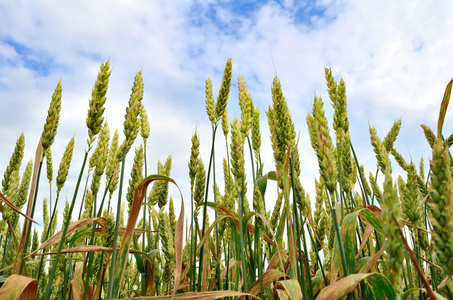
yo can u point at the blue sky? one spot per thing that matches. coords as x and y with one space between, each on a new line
395 57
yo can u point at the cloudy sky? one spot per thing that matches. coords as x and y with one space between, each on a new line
395 57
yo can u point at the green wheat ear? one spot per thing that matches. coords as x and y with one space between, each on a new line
381 152
441 206
237 151
193 161
392 218
210 108
225 124
166 237
24 186
144 128
159 191
281 128
20 191
94 119
172 216
247 107
14 162
320 216
429 135
390 138
64 165
322 143
53 116
131 120
256 133
136 175
200 183
100 157
49 164
224 92
112 162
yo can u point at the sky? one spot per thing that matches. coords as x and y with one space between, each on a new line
395 57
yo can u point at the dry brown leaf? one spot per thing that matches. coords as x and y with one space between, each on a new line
195 296
10 204
71 229
79 249
368 230
372 262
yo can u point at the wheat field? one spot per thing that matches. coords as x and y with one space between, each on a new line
364 234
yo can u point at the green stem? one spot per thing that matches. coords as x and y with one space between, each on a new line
227 264
68 273
217 269
251 159
313 242
192 247
195 236
361 177
307 264
65 229
300 271
340 184
337 229
90 255
251 260
241 235
99 214
205 205
143 275
27 238
117 224
83 197
258 254
6 246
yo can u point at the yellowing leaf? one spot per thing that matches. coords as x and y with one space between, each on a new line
17 286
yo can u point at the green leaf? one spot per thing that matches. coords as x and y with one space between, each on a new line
262 181
80 234
235 217
318 281
348 235
406 295
371 217
292 288
360 263
443 109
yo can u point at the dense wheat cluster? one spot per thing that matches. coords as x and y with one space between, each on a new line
381 236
